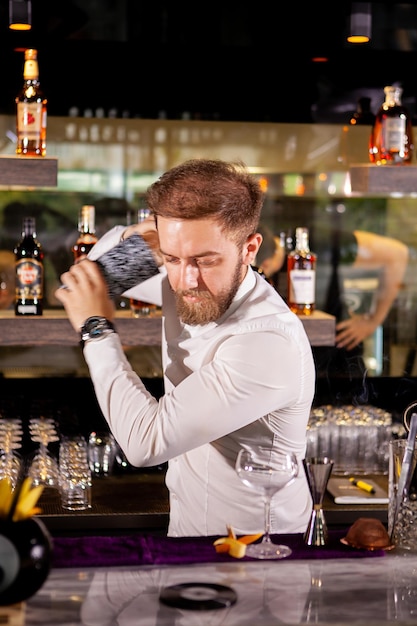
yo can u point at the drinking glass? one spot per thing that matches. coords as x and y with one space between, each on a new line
267 471
75 475
101 453
11 462
43 466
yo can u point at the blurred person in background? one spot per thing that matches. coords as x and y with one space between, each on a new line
357 250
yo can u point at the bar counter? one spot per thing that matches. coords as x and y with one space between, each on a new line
139 501
345 586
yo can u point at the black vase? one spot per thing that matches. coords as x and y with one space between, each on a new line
25 559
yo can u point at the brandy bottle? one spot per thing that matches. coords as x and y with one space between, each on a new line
31 110
29 271
301 272
86 232
391 139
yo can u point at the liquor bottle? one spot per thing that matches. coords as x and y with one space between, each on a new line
301 264
363 114
286 243
29 271
391 139
139 308
86 232
31 110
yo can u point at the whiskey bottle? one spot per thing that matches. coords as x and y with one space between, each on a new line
86 232
29 271
301 272
391 139
31 110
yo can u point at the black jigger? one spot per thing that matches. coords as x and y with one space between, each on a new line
318 470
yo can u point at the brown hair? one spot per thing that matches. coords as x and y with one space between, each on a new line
203 188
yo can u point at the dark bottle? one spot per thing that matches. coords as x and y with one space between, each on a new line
301 275
286 244
86 232
29 271
31 110
391 139
363 114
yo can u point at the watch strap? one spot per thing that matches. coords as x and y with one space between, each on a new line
95 328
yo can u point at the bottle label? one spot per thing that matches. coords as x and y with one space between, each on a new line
27 309
302 286
395 134
29 280
29 120
31 70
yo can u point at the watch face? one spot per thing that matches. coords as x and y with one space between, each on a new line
95 326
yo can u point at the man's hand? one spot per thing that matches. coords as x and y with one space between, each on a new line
84 293
141 228
147 230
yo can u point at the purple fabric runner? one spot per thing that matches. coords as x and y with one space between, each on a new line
155 550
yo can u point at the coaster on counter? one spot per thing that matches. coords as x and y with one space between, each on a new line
198 596
344 492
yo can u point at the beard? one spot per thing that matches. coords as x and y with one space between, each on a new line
210 308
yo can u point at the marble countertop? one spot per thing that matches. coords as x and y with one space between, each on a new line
363 591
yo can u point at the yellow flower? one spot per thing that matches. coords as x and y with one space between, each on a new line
6 496
19 504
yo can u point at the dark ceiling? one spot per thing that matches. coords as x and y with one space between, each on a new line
224 60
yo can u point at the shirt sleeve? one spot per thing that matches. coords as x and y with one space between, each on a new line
250 376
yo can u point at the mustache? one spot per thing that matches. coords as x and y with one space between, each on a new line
201 293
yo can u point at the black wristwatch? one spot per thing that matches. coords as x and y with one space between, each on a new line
94 328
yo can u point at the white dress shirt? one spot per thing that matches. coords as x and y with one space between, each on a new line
247 378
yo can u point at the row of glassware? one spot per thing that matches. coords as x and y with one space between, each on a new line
355 437
71 472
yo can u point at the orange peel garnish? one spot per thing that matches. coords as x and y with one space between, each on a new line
235 547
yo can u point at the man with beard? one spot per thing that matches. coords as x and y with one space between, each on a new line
238 367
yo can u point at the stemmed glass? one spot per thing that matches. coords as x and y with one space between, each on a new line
11 462
43 466
267 471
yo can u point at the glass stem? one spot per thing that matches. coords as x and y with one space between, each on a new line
267 538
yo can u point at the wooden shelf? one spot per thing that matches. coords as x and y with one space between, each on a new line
383 179
24 171
320 328
53 328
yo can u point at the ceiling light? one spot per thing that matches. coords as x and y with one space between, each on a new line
360 23
20 14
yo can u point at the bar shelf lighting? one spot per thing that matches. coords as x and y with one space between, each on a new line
360 23
20 14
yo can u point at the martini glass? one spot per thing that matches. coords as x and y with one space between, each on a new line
267 471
